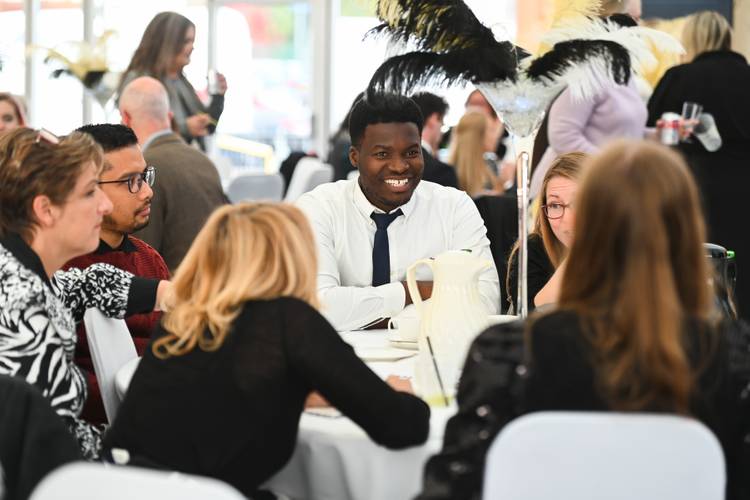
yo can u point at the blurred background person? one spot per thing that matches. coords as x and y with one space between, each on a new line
434 109
187 186
221 391
717 78
635 328
338 153
552 235
615 112
630 7
163 53
12 113
470 140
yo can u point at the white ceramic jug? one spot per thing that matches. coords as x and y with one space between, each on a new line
453 316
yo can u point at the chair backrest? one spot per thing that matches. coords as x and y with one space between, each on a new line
309 173
111 347
256 187
94 481
500 215
593 455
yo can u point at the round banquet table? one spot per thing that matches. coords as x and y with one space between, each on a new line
334 458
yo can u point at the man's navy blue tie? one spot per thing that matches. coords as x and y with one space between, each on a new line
381 256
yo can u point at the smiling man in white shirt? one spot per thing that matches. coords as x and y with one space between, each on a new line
370 230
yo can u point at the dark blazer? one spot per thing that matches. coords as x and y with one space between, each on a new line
187 189
438 172
719 81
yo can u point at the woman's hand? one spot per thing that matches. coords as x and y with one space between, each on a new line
401 384
198 124
551 291
315 400
163 296
221 83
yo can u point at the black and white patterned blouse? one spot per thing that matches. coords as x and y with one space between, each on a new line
38 319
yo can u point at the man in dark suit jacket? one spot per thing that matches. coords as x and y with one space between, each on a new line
187 187
433 110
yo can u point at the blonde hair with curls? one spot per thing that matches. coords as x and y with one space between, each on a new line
636 272
706 31
467 154
249 251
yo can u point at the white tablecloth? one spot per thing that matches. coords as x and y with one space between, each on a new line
335 460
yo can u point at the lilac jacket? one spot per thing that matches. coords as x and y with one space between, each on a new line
616 112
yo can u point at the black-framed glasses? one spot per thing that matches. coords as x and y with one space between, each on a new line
135 181
555 210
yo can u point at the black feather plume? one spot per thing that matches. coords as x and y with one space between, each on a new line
400 74
448 35
565 55
434 25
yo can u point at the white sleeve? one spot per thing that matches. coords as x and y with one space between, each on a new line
346 307
470 232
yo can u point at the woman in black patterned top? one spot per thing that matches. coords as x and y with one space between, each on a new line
222 388
51 210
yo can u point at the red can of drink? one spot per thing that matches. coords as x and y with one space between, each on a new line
669 129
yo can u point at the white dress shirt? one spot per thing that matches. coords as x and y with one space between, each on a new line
436 219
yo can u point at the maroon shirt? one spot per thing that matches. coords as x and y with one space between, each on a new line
134 256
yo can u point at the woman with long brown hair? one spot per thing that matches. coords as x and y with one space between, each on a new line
163 53
635 328
223 387
551 236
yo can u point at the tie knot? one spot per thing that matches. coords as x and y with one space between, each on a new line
382 221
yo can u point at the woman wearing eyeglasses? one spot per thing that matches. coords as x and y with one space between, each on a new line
51 210
635 328
552 234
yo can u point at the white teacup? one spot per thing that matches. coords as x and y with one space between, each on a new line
403 328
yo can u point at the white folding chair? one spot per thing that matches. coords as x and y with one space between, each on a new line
249 187
590 456
308 173
111 347
93 481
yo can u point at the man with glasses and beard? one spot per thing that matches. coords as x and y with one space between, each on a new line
126 180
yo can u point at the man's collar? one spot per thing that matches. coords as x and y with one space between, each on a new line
25 255
427 147
153 137
366 208
126 246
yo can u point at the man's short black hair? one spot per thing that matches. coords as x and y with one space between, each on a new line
382 108
430 103
110 136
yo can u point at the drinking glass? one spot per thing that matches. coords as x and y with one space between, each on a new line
690 113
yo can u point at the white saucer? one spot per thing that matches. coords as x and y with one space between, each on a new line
382 353
411 345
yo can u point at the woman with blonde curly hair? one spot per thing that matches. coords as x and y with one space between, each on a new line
221 391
